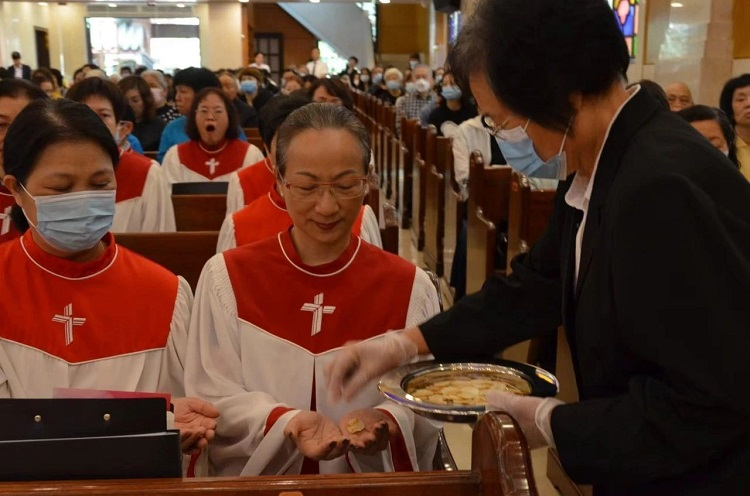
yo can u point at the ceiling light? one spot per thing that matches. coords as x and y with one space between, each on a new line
314 1
385 1
244 1
676 5
180 5
43 4
113 5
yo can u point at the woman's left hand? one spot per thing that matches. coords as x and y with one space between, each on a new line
369 430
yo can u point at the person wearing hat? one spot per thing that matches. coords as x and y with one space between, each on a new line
19 70
187 83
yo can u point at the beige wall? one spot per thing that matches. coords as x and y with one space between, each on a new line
221 45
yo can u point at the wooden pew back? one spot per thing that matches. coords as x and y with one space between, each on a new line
183 253
489 189
500 466
434 206
529 212
409 130
455 211
424 150
199 212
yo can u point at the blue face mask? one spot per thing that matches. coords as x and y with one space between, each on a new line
393 85
249 87
451 92
518 150
377 78
413 64
74 222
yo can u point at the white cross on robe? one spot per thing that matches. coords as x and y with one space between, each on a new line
318 309
5 218
69 321
212 165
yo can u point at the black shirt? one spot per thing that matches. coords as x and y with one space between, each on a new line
149 133
248 115
443 114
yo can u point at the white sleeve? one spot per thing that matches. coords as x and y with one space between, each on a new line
171 166
214 372
424 302
461 163
158 213
253 156
226 235
235 194
172 374
370 229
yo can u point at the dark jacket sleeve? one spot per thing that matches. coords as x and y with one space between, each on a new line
680 282
507 310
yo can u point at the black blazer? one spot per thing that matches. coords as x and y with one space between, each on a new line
659 321
24 68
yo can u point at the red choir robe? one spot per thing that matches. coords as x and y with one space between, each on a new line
263 328
189 162
144 200
7 230
118 322
267 216
248 184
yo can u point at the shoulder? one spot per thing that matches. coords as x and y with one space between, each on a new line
386 261
246 256
135 161
176 125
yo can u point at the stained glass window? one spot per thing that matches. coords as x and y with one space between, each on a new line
626 14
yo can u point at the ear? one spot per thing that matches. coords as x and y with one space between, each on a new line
11 183
126 127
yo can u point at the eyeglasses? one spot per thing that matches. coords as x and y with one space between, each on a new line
346 189
491 127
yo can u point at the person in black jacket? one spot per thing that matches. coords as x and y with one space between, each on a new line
19 70
248 116
646 262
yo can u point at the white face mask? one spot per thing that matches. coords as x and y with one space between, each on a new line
158 94
423 86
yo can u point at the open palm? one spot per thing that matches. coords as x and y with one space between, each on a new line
316 436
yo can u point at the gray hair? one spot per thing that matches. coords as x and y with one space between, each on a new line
159 78
320 116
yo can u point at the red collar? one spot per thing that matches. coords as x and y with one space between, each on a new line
325 270
65 268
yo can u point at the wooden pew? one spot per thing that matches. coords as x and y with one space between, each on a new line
183 253
528 215
434 206
489 188
199 212
424 146
501 465
455 211
390 151
151 155
409 130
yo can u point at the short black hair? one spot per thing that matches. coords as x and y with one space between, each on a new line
334 87
705 113
355 59
196 78
536 53
656 91
191 128
275 112
15 55
58 76
727 94
18 88
94 86
415 55
46 122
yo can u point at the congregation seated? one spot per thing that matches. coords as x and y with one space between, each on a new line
143 197
269 316
251 183
159 90
147 127
80 311
214 150
15 94
714 125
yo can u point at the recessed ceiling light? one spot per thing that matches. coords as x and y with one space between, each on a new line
43 4
244 1
113 5
180 5
314 1
385 1
676 5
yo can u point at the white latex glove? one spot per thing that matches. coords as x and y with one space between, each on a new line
533 415
358 363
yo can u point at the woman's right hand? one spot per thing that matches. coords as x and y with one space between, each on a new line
358 363
316 436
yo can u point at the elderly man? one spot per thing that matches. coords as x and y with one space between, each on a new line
411 105
646 262
679 96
